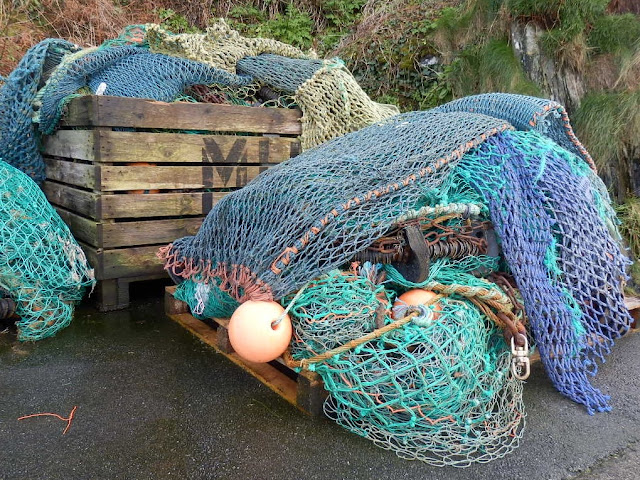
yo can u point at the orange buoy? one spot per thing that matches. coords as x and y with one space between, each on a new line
253 334
417 296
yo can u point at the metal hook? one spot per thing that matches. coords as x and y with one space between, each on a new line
520 364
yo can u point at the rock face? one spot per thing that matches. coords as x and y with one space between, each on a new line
560 82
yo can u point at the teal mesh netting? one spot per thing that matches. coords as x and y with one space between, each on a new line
41 266
438 389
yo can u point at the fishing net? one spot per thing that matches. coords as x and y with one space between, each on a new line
220 46
18 146
331 100
326 204
206 299
320 210
146 61
568 266
438 388
41 266
525 113
128 71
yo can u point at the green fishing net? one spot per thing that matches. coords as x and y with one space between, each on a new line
437 389
41 265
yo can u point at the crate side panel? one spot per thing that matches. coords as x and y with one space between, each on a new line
78 174
77 144
83 229
85 203
105 111
130 147
130 234
150 177
158 204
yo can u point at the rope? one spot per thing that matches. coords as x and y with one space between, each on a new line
306 362
68 420
286 310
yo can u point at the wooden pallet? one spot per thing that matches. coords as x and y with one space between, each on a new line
131 175
304 390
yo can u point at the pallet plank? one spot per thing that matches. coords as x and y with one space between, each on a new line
183 148
78 144
130 234
105 111
267 374
150 177
158 204
80 201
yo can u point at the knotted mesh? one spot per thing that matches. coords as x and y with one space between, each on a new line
128 71
18 146
41 266
315 212
437 389
567 264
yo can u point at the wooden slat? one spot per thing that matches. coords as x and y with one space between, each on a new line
94 260
79 174
130 262
79 201
149 232
83 229
632 302
124 262
157 204
184 148
119 178
78 144
104 111
267 374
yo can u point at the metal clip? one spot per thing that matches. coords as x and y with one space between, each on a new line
520 365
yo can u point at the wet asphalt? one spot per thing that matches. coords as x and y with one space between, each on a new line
153 402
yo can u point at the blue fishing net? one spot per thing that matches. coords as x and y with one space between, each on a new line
128 71
326 204
18 136
524 113
568 266
282 73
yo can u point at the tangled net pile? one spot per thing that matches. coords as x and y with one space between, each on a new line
436 389
41 265
439 387
150 62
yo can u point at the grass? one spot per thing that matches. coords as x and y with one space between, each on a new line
608 123
613 33
490 68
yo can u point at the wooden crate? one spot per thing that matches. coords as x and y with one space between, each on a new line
305 390
130 175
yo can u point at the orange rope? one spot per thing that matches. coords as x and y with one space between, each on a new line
68 420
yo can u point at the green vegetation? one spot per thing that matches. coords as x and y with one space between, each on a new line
290 26
614 33
629 215
610 123
175 22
